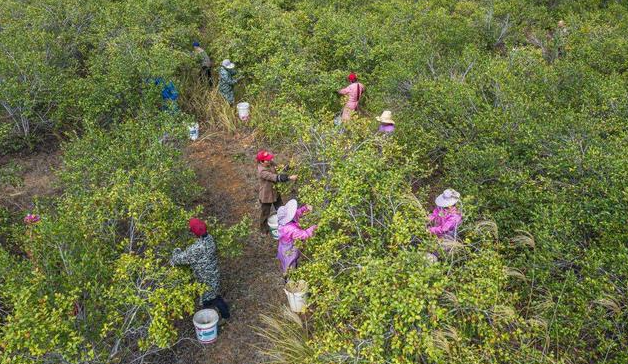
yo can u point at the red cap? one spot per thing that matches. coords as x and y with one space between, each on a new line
263 155
352 77
198 227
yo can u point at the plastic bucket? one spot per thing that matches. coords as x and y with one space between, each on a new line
431 258
193 131
297 300
273 224
206 325
243 110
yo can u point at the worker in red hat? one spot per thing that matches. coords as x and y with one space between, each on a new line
201 257
268 194
354 91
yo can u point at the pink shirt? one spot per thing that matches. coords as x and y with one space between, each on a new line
445 221
287 253
355 91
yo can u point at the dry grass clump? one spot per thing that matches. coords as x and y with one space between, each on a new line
287 338
213 112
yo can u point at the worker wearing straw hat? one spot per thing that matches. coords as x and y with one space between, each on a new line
289 231
387 124
268 194
227 80
445 218
201 257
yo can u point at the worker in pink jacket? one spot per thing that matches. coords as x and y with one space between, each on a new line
445 218
354 91
289 230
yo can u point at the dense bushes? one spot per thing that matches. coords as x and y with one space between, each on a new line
532 135
94 284
67 63
91 281
531 131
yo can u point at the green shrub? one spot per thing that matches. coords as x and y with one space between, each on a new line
533 142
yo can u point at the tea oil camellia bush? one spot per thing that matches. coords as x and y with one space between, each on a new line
91 281
96 284
489 98
525 119
67 63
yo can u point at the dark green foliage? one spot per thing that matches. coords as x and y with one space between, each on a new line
530 127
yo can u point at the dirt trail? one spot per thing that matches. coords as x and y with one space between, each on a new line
251 283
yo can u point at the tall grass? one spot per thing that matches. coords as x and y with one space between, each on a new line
212 111
287 336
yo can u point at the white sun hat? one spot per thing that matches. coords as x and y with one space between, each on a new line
228 64
386 117
448 198
286 213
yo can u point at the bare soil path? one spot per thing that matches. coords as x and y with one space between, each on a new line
26 177
251 283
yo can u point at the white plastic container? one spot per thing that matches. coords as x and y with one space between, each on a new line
298 299
243 110
206 325
431 258
194 131
273 224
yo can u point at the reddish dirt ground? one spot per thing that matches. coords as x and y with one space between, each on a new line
37 179
251 283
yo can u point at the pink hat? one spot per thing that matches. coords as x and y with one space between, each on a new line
263 155
448 198
286 213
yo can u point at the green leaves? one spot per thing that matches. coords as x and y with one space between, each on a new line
484 103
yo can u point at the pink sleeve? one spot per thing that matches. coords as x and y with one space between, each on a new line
436 230
433 215
345 91
301 234
300 211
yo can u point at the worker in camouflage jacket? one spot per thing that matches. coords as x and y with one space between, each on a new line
205 62
201 257
227 80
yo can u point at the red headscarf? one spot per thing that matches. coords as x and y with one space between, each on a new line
198 227
263 155
352 77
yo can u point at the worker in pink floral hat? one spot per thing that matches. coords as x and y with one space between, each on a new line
354 91
445 218
289 231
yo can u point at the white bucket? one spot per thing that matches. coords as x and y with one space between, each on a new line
297 300
206 325
193 131
431 258
243 110
273 224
